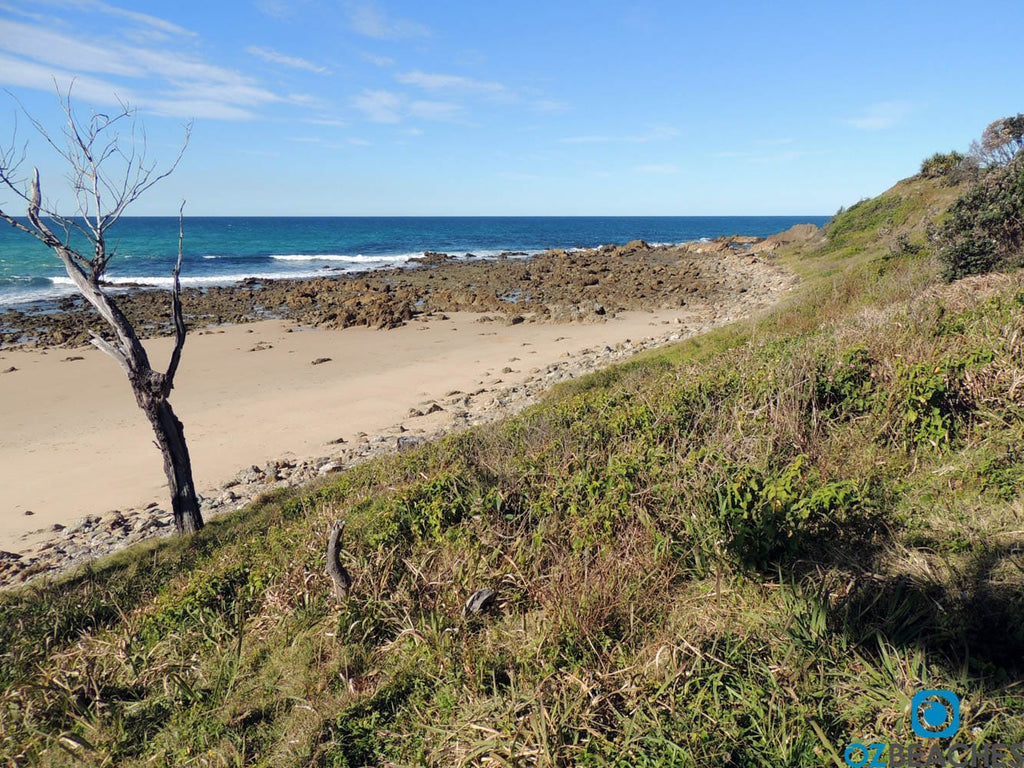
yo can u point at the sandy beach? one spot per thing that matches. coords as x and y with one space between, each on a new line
75 443
276 402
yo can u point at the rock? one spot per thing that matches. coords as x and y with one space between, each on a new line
321 361
330 466
82 524
251 475
795 234
431 258
114 519
227 498
408 442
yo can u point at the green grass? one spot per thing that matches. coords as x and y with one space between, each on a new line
748 549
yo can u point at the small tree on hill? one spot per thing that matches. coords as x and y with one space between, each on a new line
107 173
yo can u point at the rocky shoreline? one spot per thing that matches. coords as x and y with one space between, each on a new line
555 285
718 282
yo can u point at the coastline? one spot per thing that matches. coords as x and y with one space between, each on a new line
278 402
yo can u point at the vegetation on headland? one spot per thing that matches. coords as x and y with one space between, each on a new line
750 548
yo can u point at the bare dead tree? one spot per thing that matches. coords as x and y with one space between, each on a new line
108 172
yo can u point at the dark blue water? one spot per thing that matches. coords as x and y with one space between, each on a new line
223 250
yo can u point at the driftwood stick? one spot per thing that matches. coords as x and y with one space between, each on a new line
342 581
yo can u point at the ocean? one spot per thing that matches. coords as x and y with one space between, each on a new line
224 250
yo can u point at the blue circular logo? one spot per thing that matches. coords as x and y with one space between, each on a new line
935 714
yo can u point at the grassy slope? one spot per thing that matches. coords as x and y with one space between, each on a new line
750 548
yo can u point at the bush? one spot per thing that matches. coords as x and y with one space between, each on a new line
943 166
985 227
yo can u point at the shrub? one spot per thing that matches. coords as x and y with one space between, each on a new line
943 166
985 227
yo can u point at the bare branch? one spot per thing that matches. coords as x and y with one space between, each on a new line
341 578
105 346
176 311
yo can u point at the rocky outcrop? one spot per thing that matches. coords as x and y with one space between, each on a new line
557 285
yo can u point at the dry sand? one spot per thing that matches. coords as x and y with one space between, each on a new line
73 442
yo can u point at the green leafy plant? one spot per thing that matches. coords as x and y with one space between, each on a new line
767 517
928 402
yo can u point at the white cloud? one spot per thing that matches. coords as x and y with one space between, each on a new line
549 105
656 133
590 139
276 9
24 14
304 100
880 116
379 61
435 110
367 19
203 109
155 23
163 80
293 62
328 121
48 47
27 74
435 81
379 106
152 26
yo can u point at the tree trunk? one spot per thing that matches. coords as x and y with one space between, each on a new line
170 436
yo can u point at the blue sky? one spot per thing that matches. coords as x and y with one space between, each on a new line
533 107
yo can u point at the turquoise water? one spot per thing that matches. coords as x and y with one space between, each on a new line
220 251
